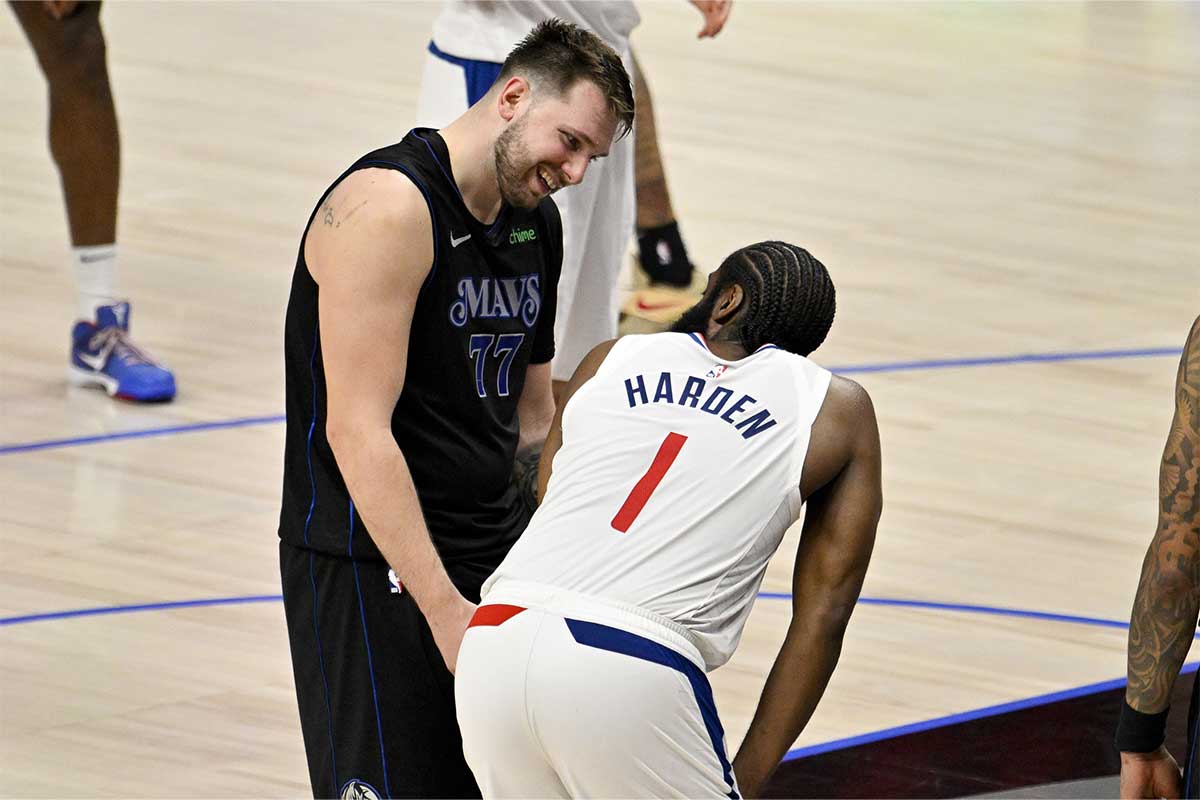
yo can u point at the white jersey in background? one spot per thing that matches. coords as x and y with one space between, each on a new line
598 215
486 30
678 474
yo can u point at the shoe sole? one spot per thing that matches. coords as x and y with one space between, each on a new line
77 376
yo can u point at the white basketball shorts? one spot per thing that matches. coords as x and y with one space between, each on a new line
552 705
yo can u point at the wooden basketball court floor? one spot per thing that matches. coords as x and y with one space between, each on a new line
1007 195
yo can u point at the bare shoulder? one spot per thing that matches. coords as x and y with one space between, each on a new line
1187 381
847 405
588 367
845 430
597 354
373 214
1190 363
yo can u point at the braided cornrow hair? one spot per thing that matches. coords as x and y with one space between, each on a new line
789 295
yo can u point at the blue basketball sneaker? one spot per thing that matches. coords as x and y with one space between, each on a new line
102 355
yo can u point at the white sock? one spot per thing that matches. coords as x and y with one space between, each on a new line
95 277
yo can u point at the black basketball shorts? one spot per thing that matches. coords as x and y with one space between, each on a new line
376 700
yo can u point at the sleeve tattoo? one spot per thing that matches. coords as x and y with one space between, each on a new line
1163 622
525 474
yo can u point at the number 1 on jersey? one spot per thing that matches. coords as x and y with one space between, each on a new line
645 487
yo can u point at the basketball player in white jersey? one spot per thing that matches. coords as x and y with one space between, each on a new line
667 481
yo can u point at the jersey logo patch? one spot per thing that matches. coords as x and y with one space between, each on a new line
498 298
522 235
456 242
357 790
717 371
395 582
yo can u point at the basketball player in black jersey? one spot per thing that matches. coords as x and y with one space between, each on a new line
418 347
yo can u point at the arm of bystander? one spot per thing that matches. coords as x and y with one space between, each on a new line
1165 609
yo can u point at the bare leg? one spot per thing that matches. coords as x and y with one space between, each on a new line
86 147
653 199
83 121
661 250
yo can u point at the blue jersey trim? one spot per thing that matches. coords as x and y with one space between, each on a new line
618 641
479 75
311 574
387 789
500 218
312 425
321 660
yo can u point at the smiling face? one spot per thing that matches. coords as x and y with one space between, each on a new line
550 141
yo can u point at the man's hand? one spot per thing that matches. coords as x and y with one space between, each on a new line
1150 775
715 13
59 9
448 624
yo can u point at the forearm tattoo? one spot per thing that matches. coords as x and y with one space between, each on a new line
1168 597
525 473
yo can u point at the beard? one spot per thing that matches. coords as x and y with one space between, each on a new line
695 319
512 164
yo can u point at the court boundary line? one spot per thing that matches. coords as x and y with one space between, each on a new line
140 433
897 366
792 755
928 605
965 716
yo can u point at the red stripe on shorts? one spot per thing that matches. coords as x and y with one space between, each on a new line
493 614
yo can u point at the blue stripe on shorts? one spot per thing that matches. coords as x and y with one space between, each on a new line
629 644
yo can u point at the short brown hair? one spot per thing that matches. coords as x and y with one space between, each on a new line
559 54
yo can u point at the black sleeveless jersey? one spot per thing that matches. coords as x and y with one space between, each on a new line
484 313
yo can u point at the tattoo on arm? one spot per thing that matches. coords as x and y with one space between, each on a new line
328 211
525 473
1168 597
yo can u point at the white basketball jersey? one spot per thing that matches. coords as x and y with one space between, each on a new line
678 474
486 30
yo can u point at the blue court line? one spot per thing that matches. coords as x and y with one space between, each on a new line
800 752
140 434
129 609
876 601
974 609
1024 358
966 716
898 366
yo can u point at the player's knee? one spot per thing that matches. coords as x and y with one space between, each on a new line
76 59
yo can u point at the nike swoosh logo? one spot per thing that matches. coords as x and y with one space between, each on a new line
97 361
642 305
456 242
